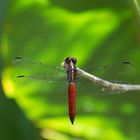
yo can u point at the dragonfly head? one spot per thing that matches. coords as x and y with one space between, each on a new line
69 60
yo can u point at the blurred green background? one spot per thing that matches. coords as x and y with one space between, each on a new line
97 33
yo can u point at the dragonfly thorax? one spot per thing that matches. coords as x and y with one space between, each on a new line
70 66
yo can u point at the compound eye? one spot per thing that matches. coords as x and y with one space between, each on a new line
74 60
67 60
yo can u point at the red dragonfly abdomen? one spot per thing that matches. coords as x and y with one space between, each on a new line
72 100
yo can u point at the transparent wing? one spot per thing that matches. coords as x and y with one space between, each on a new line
40 78
31 69
121 71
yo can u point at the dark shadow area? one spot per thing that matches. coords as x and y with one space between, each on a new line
82 5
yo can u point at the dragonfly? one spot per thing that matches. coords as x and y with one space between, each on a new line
70 69
70 66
